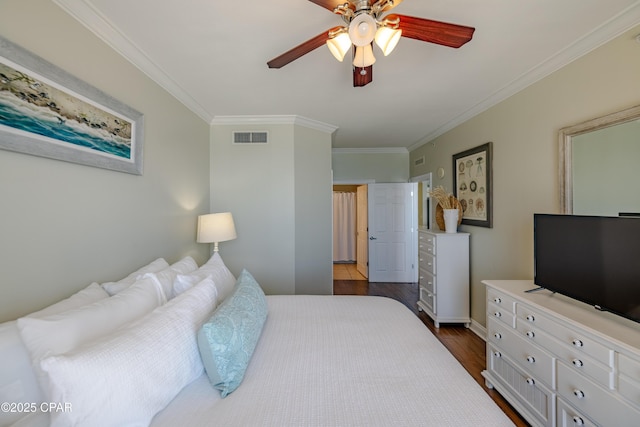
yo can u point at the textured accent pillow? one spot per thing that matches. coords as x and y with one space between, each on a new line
91 293
130 375
59 333
228 339
222 277
166 277
113 288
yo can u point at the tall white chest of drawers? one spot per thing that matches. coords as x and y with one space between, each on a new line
560 362
444 276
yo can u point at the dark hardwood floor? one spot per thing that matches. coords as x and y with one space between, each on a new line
466 346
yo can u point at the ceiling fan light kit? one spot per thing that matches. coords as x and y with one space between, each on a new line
364 56
364 25
339 45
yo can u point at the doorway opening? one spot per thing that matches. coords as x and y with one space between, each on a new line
350 213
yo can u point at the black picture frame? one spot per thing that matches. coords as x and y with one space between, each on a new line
473 184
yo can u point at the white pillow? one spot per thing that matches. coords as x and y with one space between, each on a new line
128 377
166 277
91 293
222 277
59 333
113 288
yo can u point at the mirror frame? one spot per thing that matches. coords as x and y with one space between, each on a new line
565 137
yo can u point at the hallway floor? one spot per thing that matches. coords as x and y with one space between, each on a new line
346 271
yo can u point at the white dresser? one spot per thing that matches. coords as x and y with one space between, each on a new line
560 362
444 276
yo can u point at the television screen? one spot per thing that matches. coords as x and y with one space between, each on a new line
590 258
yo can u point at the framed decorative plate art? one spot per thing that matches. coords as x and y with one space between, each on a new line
47 112
472 184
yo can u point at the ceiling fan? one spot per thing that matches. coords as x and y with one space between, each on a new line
365 23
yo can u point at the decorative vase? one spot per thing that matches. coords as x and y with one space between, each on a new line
450 220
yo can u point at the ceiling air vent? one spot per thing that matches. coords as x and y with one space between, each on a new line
250 137
419 161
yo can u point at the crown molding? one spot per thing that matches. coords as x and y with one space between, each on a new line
101 26
616 26
380 150
274 120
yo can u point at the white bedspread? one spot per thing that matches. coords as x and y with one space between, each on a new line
341 361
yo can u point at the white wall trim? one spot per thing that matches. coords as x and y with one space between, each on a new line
611 29
274 120
381 150
83 12
478 329
355 182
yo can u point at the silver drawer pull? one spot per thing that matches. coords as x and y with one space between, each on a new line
577 343
497 300
578 421
531 318
577 362
578 393
497 335
531 359
531 334
531 381
497 354
497 314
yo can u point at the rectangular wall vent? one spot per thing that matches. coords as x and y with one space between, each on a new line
419 161
250 137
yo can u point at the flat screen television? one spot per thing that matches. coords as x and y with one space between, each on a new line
593 259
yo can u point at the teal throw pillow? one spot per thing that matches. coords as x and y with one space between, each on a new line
227 340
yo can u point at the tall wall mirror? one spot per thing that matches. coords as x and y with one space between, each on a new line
600 165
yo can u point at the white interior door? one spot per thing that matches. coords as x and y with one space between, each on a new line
393 234
362 233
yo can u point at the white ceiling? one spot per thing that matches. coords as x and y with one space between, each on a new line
212 56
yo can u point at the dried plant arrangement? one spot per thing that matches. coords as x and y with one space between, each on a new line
445 200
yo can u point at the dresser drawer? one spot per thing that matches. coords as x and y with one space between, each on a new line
428 298
427 281
576 340
427 239
501 300
576 360
428 263
629 367
595 402
530 357
630 389
501 313
534 395
570 417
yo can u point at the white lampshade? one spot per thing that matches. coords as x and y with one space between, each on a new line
216 227
387 39
339 45
364 56
362 29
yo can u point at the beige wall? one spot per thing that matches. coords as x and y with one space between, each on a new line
280 197
64 225
524 131
369 165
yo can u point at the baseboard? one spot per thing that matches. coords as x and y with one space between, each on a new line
478 329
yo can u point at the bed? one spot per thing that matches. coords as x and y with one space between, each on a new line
316 361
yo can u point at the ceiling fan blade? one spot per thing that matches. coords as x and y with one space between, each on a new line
360 79
437 32
300 50
331 4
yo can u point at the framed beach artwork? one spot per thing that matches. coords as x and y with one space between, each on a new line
472 183
45 111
